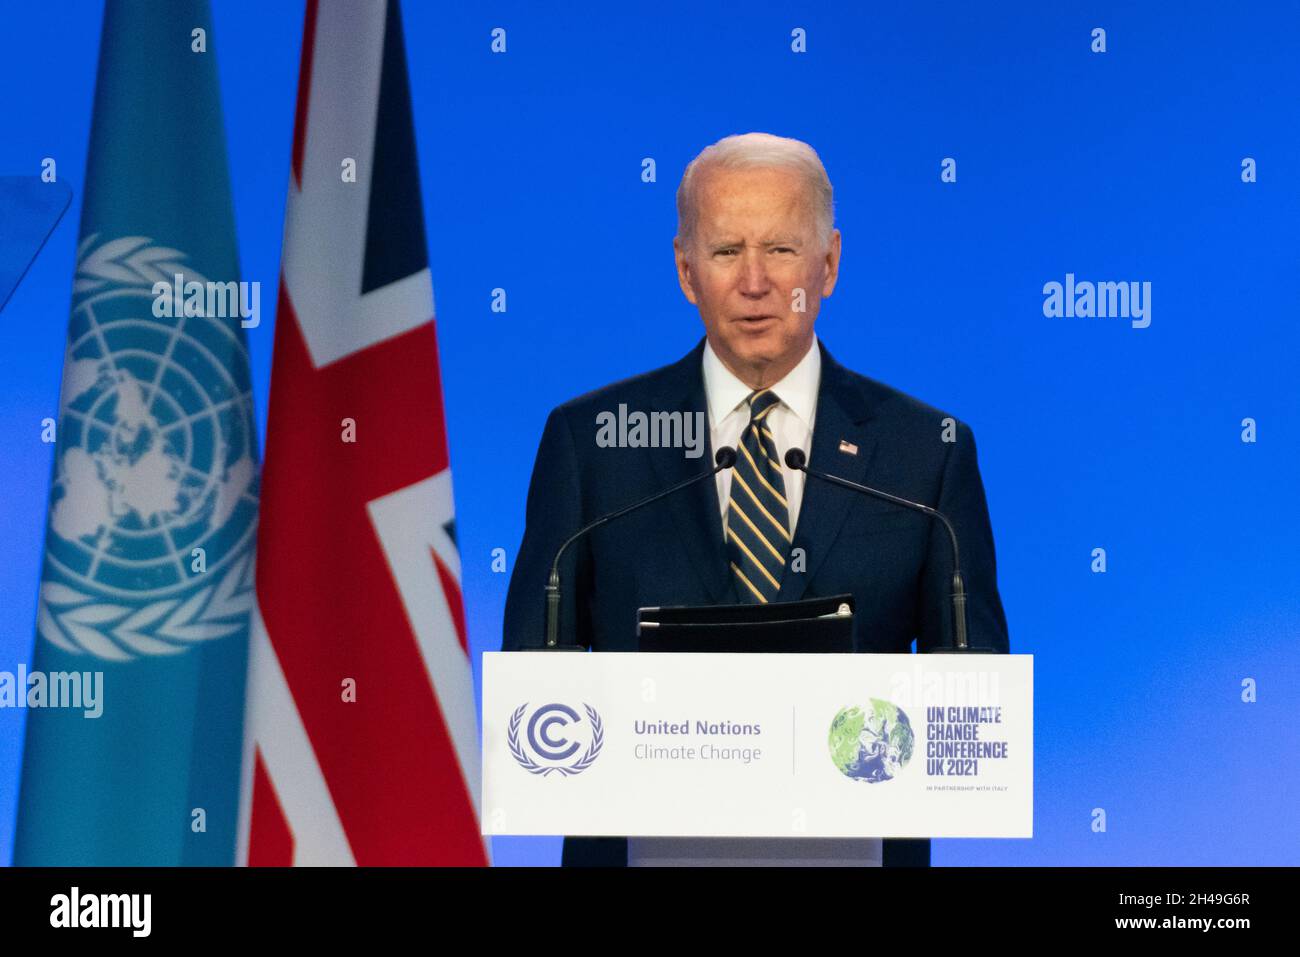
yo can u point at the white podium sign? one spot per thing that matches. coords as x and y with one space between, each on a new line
758 745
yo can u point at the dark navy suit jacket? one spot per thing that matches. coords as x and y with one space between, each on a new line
896 562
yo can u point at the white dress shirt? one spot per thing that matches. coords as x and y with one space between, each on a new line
791 424
790 421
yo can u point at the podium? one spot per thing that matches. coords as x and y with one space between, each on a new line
661 743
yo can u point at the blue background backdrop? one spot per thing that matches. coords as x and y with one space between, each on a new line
1115 166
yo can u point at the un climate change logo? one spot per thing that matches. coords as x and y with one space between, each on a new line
871 745
554 736
153 502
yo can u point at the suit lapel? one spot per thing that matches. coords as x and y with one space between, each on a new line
842 416
695 510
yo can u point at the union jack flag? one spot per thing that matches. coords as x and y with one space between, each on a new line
361 744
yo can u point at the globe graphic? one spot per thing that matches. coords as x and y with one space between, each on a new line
871 745
155 455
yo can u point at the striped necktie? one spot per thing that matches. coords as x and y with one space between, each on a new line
758 518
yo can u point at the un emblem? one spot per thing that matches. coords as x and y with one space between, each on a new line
554 737
153 502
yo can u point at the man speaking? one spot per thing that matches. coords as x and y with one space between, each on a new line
756 253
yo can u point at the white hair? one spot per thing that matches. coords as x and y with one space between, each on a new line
758 151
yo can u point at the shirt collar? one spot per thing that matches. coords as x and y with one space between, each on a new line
797 391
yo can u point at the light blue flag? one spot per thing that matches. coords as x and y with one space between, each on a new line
147 579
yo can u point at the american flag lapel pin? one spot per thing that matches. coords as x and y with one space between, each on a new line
847 447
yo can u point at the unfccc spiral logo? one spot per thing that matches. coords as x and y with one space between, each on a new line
554 738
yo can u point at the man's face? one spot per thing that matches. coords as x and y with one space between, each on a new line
756 269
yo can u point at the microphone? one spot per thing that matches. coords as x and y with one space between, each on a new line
795 459
725 458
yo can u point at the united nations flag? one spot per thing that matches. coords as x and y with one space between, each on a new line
147 574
